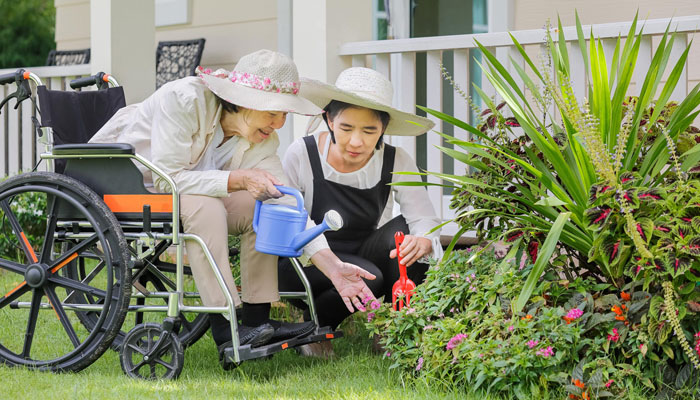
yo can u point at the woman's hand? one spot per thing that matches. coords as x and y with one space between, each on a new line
346 277
413 248
260 183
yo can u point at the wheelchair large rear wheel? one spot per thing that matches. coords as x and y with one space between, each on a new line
48 220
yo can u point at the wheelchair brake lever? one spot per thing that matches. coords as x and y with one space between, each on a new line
22 93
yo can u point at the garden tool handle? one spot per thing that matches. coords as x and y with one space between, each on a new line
398 239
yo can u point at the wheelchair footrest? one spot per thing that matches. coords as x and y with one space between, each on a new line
249 353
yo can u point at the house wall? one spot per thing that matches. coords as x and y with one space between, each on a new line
232 28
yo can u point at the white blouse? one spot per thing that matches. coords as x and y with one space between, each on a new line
414 204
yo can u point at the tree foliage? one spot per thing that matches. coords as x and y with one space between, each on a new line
26 32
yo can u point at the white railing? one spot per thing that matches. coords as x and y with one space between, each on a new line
396 59
19 146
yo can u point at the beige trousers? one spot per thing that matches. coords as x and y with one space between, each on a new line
213 219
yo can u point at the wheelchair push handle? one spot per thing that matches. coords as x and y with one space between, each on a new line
100 79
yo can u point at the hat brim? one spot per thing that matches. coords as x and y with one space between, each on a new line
401 123
257 99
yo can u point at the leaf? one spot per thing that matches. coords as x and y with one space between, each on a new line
596 380
551 201
577 373
683 376
542 261
668 350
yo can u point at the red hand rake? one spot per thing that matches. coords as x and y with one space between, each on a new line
403 288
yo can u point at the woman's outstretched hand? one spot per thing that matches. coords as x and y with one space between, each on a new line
347 279
412 249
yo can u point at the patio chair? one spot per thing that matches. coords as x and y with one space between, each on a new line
177 59
68 57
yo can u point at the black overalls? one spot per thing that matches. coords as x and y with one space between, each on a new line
359 242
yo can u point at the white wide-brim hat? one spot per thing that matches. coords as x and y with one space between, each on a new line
367 88
263 81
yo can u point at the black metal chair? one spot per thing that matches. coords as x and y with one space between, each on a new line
68 57
177 59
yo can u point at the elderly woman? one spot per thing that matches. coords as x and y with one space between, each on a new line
349 168
215 136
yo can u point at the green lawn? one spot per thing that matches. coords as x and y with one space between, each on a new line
356 373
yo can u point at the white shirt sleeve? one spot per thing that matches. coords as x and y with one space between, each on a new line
414 202
174 125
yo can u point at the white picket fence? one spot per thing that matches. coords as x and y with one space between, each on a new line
19 146
396 59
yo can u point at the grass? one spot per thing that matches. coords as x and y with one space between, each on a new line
355 373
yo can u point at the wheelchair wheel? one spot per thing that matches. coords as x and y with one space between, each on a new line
48 220
137 360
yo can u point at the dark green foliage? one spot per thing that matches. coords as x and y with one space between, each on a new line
26 32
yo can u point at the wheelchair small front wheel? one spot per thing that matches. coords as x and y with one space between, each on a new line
139 360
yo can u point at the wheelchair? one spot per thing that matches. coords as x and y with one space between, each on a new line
86 246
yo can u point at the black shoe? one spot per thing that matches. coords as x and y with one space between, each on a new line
289 330
255 337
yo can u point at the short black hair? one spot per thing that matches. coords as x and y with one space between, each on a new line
228 107
335 107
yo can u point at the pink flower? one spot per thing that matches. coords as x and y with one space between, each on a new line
545 352
510 328
532 343
420 364
388 354
370 317
610 382
574 313
374 305
456 340
697 343
366 300
615 336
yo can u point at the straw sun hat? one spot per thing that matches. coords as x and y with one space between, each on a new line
263 81
367 88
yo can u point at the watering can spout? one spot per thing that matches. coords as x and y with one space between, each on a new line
332 220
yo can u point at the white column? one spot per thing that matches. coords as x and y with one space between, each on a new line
284 46
501 15
122 43
318 29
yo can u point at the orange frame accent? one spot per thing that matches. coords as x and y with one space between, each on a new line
29 246
15 289
63 263
133 203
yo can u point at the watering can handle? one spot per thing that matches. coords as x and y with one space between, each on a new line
284 190
293 192
256 215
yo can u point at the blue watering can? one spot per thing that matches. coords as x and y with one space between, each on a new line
280 228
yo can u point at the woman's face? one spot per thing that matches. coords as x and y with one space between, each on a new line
253 125
357 131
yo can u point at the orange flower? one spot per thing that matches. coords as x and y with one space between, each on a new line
573 396
584 396
567 319
578 383
625 296
624 307
616 310
527 317
620 317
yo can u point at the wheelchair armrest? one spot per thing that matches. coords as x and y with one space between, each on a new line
93 148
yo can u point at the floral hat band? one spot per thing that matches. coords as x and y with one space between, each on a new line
252 81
